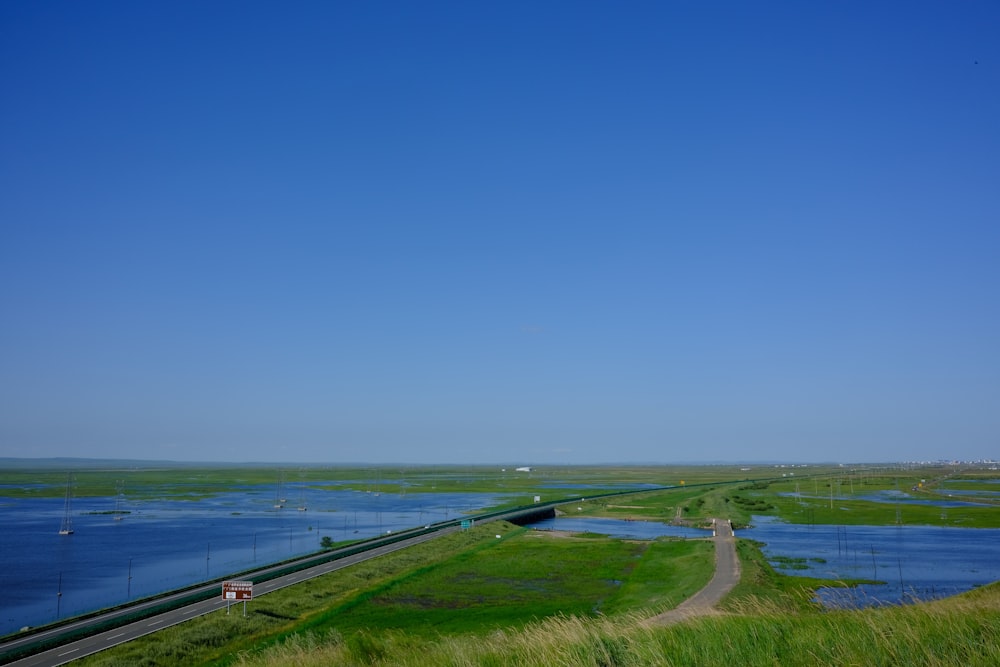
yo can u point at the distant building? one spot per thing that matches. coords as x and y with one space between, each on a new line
523 469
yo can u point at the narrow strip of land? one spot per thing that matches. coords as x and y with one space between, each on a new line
727 575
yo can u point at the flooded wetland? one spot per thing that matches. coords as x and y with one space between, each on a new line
149 534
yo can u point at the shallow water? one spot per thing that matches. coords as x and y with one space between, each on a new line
636 530
167 544
982 488
891 496
914 562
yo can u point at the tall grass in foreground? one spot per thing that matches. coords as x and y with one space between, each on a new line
958 631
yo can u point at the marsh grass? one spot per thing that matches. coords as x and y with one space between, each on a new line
670 572
761 586
463 584
959 631
849 508
521 580
37 478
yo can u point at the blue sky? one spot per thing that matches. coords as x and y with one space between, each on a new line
533 232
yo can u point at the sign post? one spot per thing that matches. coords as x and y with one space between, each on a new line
234 591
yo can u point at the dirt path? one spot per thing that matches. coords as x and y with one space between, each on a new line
727 575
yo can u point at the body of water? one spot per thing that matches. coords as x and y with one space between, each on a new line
915 562
982 488
890 496
637 530
161 545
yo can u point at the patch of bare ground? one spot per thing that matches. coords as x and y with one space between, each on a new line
561 534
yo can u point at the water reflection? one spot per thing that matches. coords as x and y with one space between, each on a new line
912 562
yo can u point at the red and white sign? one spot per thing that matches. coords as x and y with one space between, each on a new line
237 590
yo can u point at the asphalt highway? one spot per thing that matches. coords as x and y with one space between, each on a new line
124 633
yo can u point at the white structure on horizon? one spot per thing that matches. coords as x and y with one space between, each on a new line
523 469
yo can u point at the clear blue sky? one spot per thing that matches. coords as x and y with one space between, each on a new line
539 232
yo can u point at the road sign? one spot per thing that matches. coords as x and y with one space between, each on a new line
237 590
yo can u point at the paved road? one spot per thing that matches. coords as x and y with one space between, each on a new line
104 640
727 575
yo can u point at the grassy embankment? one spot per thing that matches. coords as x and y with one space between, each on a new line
960 631
465 585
